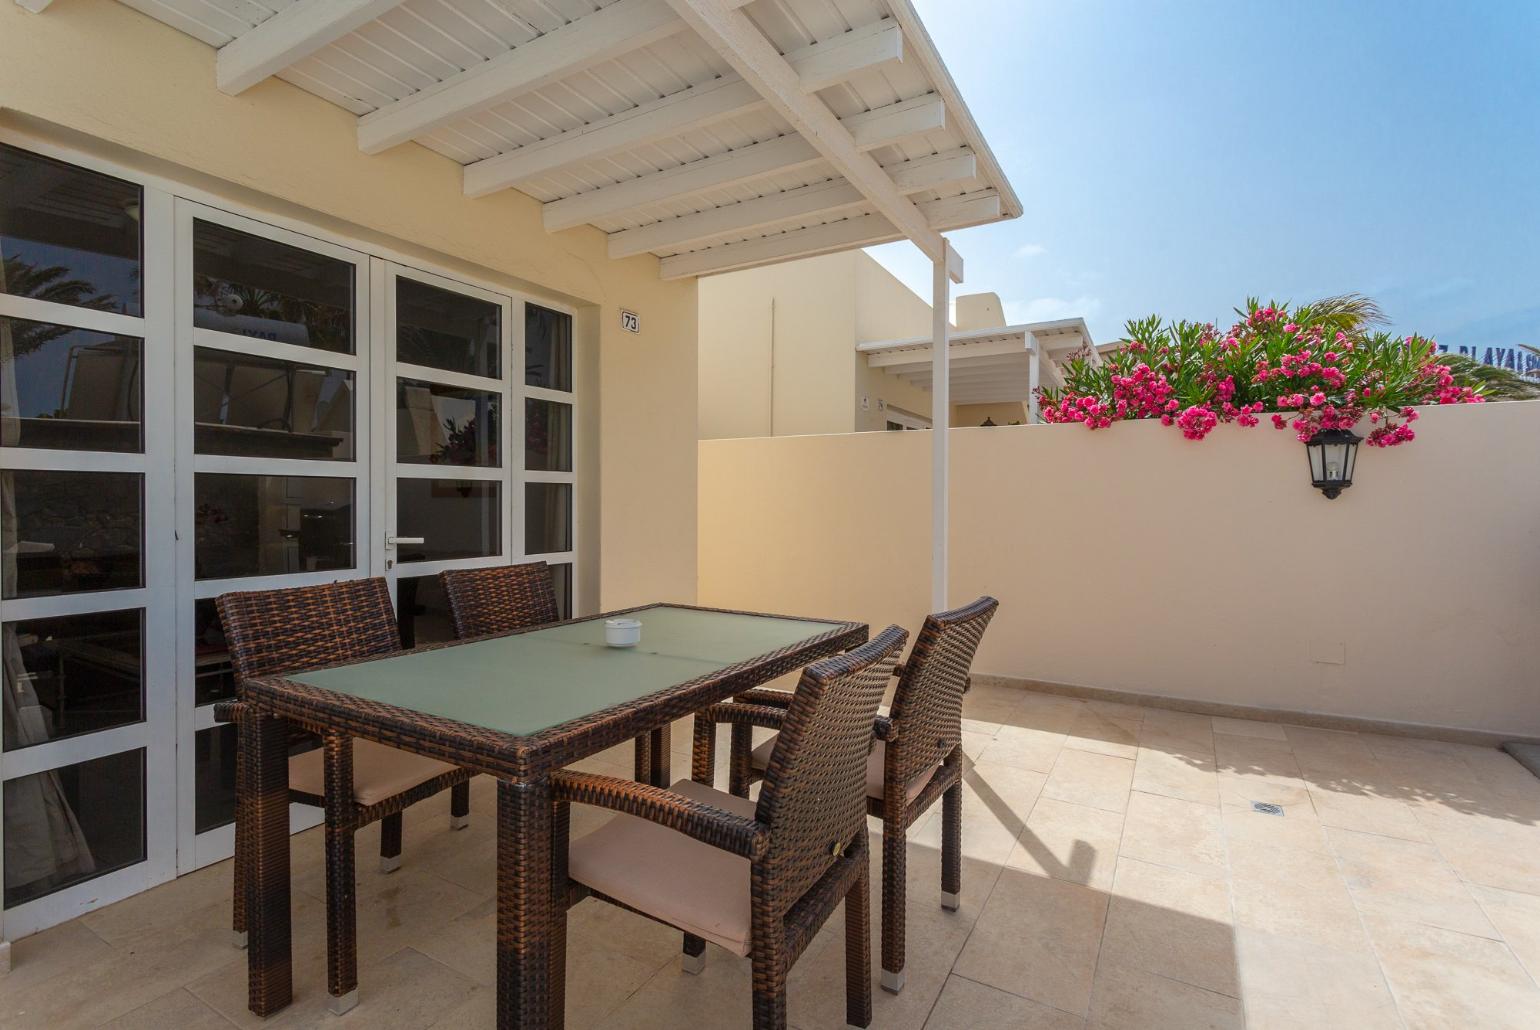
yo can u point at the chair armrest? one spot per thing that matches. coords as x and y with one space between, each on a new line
898 670
886 728
705 823
765 696
744 715
227 711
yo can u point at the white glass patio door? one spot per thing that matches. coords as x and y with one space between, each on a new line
87 742
273 337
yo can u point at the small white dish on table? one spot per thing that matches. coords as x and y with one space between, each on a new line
622 632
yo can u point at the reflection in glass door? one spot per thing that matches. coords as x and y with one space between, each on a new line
87 741
272 329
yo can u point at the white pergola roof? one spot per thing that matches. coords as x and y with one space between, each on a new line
716 134
988 366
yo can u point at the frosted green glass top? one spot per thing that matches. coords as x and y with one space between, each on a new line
532 681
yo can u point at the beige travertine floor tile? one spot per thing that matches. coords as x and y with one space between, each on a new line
1502 775
1517 917
1172 923
965 1005
1037 937
1182 732
1069 842
1297 827
1406 880
1249 728
1168 831
1441 978
1104 734
995 805
1083 778
1288 983
1025 747
62 950
1492 853
178 1010
1316 738
1367 813
1293 893
1131 999
1187 776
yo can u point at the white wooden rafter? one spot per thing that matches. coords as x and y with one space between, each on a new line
290 36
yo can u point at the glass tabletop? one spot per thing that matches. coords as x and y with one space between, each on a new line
529 682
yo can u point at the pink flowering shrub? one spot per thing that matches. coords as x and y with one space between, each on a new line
1312 369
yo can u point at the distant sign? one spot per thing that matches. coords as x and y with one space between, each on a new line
630 321
1525 363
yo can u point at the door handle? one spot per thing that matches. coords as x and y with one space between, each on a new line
392 541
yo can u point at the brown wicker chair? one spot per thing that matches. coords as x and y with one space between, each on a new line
501 599
757 879
355 782
917 758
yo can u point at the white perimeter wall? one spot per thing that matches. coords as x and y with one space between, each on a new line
1132 559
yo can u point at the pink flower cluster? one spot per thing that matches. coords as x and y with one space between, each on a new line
1312 375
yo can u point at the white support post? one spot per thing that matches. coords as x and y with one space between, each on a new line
940 420
1034 380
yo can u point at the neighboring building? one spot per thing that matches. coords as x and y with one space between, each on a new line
837 344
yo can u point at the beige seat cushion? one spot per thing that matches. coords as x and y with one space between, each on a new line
379 772
760 759
676 879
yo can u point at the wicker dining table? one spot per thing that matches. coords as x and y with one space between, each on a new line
518 707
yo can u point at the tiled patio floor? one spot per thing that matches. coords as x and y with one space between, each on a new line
1116 876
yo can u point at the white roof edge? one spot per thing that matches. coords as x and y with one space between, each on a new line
936 70
971 335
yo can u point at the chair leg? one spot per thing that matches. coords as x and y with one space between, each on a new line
951 847
769 979
694 958
703 752
738 768
242 856
894 856
858 950
460 805
341 902
390 843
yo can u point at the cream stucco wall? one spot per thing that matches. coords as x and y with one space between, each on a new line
101 78
1134 560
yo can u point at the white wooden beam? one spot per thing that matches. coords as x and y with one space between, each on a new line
289 36
987 349
689 108
731 34
607 33
759 160
832 61
860 231
821 199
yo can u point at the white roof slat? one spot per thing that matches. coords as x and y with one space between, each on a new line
651 135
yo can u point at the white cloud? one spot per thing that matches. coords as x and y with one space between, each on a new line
1047 309
1031 250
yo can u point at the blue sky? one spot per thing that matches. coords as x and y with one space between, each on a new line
1175 156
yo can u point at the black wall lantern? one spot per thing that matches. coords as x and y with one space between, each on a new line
1333 452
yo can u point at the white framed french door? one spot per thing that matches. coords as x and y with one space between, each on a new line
273 372
88 739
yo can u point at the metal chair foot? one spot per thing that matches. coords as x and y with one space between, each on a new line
459 822
951 902
5 957
692 964
892 982
238 938
391 864
344 1003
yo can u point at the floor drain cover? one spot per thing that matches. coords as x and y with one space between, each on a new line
1266 809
